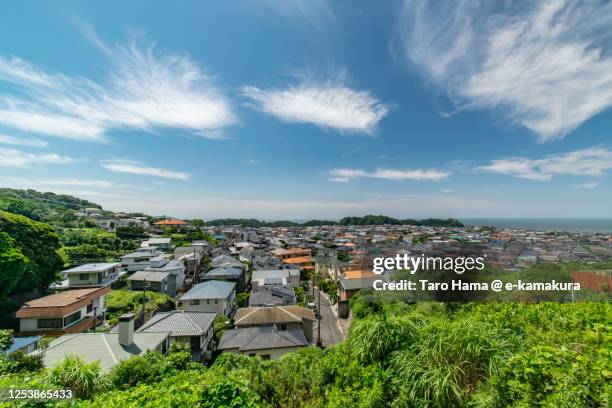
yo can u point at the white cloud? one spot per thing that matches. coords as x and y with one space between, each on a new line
134 167
546 65
447 190
18 141
253 161
17 158
588 186
345 175
144 90
329 105
595 161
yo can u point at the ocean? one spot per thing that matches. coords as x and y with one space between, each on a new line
545 224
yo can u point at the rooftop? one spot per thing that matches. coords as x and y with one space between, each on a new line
59 304
261 338
92 267
212 289
102 347
149 276
180 323
272 315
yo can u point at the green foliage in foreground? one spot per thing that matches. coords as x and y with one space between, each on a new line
401 355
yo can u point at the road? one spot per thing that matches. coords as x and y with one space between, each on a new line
330 331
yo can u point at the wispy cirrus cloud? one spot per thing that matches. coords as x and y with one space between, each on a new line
19 141
545 65
17 158
135 167
328 104
346 175
595 161
588 186
145 89
317 13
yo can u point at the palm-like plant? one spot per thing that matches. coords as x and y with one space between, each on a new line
84 379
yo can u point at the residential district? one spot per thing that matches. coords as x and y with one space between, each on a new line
274 289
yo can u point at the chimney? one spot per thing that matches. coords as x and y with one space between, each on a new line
126 329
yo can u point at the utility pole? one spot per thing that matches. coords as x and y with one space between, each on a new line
319 342
144 299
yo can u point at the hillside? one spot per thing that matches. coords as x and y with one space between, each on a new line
365 220
55 209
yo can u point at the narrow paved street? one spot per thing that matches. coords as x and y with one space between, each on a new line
330 332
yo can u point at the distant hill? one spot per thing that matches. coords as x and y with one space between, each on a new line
57 209
365 220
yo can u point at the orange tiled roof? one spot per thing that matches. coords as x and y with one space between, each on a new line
356 274
170 222
298 260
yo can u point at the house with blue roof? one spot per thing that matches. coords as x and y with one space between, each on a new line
210 296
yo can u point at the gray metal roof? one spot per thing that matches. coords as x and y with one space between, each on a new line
261 338
92 267
225 271
102 347
212 289
149 276
170 266
180 323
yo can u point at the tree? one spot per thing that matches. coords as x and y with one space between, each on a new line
13 264
38 243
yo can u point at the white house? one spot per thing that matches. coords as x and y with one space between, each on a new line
210 296
174 267
138 260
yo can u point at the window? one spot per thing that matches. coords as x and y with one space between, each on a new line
83 276
265 356
49 323
283 327
72 318
90 307
208 301
195 302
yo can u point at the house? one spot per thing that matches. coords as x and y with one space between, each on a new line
172 223
210 296
94 274
196 329
230 274
352 281
283 317
109 349
224 261
160 282
70 311
284 254
276 277
163 265
272 296
138 260
266 342
24 344
192 255
162 244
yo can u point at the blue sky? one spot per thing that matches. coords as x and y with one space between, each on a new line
300 109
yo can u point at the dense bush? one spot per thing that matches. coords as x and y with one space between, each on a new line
399 355
85 379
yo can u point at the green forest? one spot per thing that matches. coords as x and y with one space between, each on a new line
365 220
396 355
